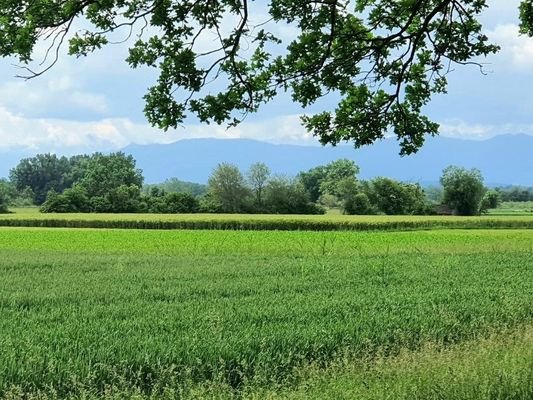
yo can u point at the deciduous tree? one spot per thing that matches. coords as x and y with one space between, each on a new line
41 173
380 60
257 178
311 181
491 199
228 187
340 175
288 196
397 198
105 173
463 189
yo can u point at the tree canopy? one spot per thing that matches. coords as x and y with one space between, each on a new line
43 173
228 185
463 189
380 60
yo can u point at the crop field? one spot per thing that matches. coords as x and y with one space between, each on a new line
32 218
165 314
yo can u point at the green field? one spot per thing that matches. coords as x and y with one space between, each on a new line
332 222
514 208
102 313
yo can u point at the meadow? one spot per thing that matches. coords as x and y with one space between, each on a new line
513 208
164 314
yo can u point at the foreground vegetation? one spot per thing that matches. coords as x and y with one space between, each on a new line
172 314
500 367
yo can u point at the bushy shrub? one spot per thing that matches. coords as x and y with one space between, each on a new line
72 200
180 203
124 199
99 204
288 196
172 203
393 197
491 199
358 205
209 204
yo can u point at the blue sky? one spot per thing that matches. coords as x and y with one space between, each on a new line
95 103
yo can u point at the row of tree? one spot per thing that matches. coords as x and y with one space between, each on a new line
515 193
112 183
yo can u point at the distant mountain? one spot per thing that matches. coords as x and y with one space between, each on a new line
506 159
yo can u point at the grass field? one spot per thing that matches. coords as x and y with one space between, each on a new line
514 208
30 217
102 313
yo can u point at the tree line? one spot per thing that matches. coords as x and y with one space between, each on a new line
111 183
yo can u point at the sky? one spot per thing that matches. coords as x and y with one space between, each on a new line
95 103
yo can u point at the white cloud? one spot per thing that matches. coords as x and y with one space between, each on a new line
61 84
45 134
478 131
36 98
89 101
516 49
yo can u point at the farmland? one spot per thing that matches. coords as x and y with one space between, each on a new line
32 218
92 313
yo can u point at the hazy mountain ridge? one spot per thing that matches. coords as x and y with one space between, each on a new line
505 159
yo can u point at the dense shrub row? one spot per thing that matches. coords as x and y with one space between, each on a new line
124 199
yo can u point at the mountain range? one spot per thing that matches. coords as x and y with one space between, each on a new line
503 160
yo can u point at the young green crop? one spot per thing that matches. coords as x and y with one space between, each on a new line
99 313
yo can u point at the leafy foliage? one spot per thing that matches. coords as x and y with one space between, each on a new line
178 186
3 202
333 179
107 173
395 198
104 183
171 203
42 173
258 176
288 196
339 174
312 180
381 60
515 193
71 200
526 17
228 186
463 189
491 199
358 204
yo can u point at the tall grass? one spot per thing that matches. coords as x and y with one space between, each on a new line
25 218
156 314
